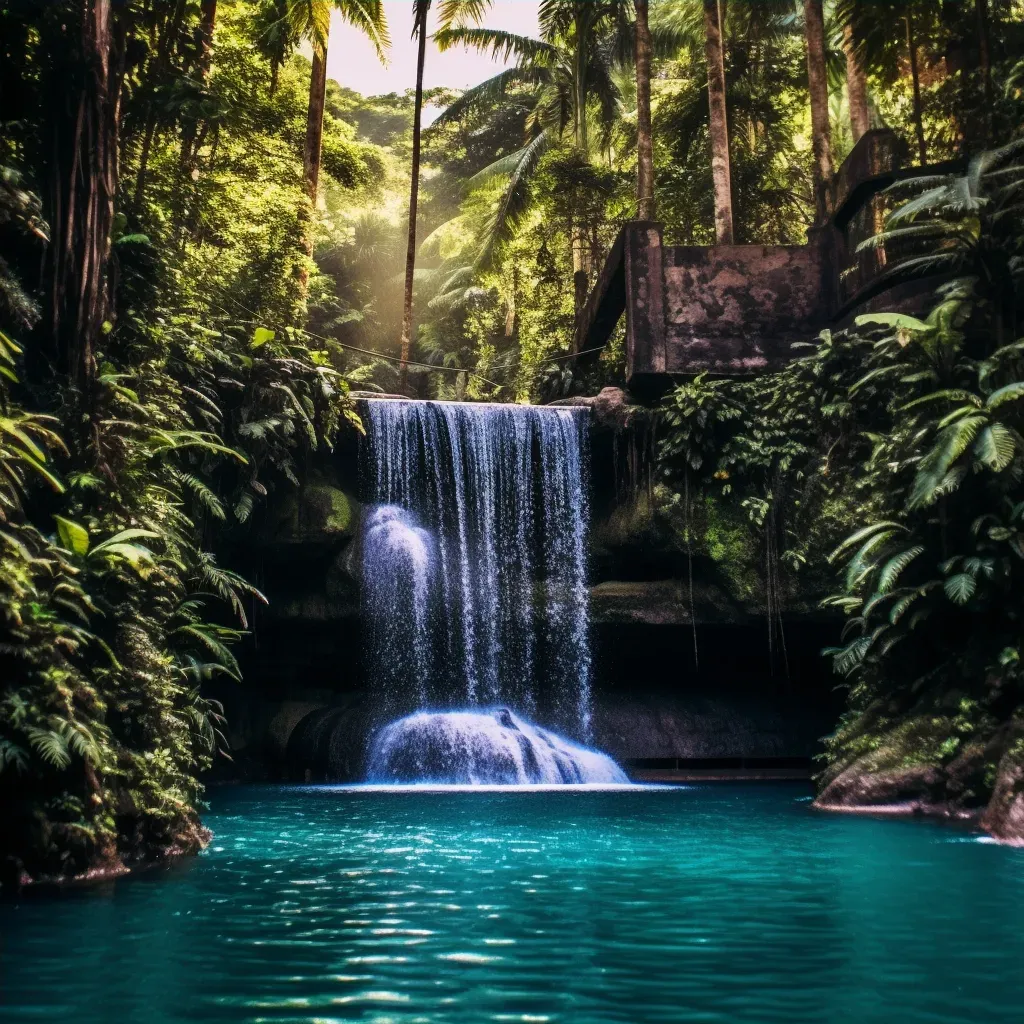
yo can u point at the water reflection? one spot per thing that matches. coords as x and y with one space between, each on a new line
710 904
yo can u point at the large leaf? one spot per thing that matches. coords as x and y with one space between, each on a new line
892 569
899 320
860 565
863 534
1009 393
73 536
960 588
996 447
950 445
123 537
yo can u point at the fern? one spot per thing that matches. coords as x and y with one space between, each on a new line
203 494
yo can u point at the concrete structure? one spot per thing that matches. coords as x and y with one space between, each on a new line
736 310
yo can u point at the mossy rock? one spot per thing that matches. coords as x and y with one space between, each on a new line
631 523
325 509
318 512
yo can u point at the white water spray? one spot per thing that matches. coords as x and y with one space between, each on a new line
501 610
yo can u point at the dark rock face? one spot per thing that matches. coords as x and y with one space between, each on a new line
1004 816
858 787
960 788
329 743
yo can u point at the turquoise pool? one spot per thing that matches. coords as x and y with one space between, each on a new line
720 903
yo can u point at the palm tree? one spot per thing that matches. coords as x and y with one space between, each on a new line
888 34
817 79
420 9
856 86
721 168
915 75
644 140
311 20
452 13
567 71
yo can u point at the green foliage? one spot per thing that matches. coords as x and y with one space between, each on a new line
114 614
895 451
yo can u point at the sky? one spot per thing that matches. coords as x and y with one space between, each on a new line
352 62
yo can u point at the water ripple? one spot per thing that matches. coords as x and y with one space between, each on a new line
723 905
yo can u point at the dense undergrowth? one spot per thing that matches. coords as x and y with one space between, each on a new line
895 450
123 467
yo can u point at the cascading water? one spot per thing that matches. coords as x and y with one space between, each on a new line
475 590
396 561
494 748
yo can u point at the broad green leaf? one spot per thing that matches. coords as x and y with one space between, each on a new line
894 567
863 534
261 336
73 536
898 320
946 395
124 536
996 447
960 588
1010 393
133 553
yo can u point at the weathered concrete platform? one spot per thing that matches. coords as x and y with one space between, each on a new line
736 310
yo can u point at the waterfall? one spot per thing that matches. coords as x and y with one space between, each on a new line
474 558
483 748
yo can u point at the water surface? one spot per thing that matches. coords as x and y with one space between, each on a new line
719 903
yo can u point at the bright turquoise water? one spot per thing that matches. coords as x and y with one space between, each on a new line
719 903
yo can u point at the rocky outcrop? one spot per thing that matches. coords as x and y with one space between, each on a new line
698 725
662 603
1004 816
913 788
612 408
319 513
907 774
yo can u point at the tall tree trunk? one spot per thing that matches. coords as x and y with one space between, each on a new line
207 27
578 228
204 56
644 140
817 80
414 192
84 126
915 76
856 87
985 64
580 82
311 153
721 169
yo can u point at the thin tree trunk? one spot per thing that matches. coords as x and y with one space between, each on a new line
414 193
311 153
721 170
190 129
580 83
207 27
985 64
644 140
147 146
817 79
856 87
922 147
